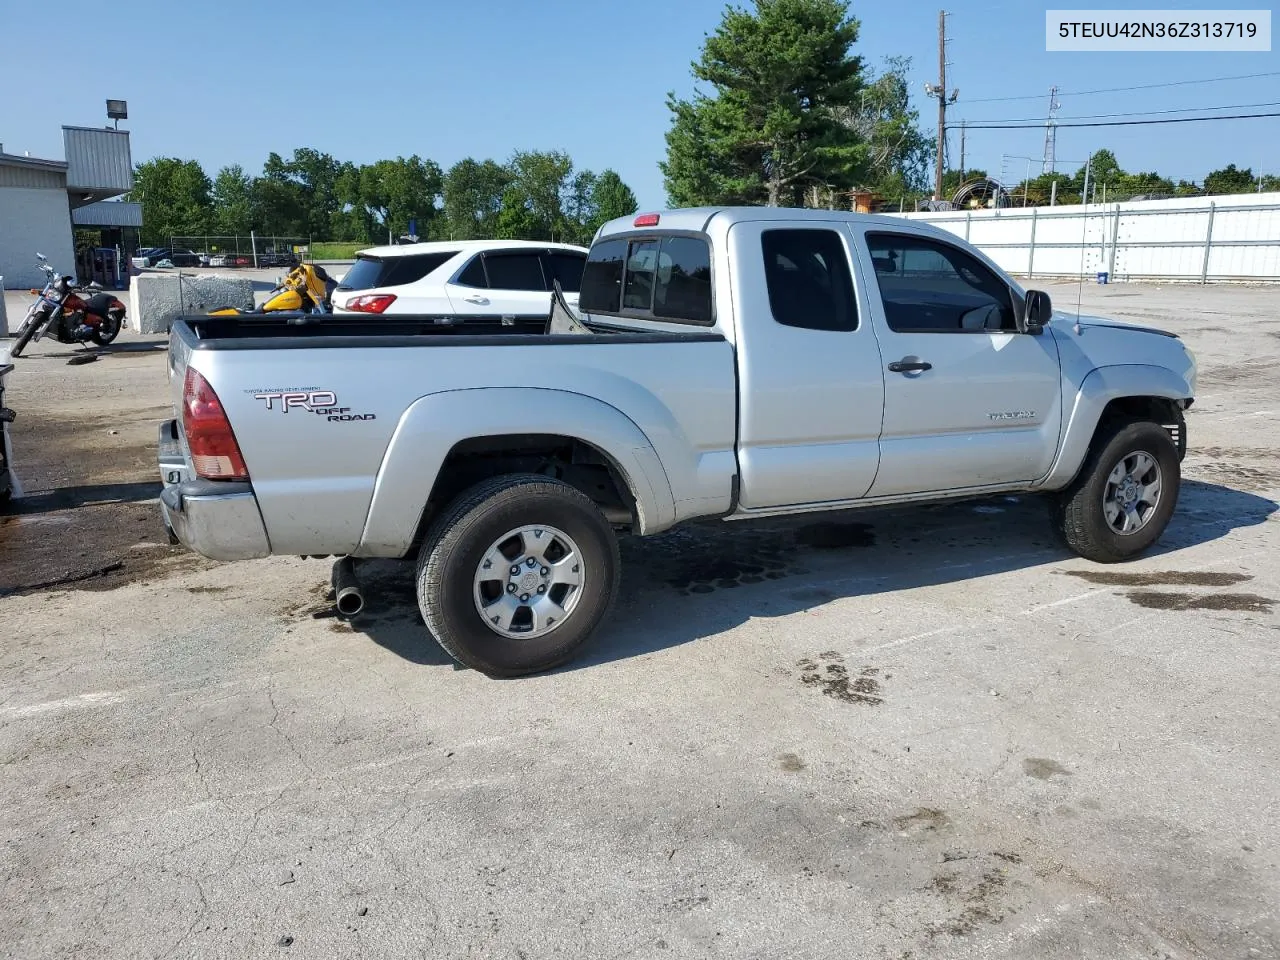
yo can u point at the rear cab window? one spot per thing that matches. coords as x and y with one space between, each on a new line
652 277
370 272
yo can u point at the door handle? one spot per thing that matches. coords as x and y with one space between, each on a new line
479 301
909 366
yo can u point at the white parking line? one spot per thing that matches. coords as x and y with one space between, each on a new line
100 699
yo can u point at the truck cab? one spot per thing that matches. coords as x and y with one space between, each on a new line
877 358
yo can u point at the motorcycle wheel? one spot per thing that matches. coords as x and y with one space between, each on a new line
106 331
25 334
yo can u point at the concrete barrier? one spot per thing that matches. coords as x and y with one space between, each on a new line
157 299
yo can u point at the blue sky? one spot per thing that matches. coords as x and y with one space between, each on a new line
375 79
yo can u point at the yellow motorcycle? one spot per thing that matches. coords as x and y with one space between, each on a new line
307 288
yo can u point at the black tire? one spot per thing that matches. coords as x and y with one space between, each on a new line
106 331
455 547
24 337
1081 518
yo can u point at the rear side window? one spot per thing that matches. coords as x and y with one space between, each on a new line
567 268
807 272
514 271
369 272
662 278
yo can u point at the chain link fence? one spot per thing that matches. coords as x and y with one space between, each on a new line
240 251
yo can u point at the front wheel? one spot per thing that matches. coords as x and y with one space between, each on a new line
25 334
516 574
1125 494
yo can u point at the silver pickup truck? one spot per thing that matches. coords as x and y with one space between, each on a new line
734 363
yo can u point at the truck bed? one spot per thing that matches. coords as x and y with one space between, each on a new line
410 388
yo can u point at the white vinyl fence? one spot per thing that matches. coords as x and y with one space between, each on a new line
1197 239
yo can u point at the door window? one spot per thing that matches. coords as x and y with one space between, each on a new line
473 274
514 271
807 273
567 268
932 287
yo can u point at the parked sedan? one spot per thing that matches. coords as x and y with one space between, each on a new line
156 255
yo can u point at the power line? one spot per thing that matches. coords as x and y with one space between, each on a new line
1125 123
1144 86
1134 113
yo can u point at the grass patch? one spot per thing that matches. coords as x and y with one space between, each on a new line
336 251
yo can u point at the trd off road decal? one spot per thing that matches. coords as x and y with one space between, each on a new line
322 403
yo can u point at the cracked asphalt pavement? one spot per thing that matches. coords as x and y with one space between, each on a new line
919 733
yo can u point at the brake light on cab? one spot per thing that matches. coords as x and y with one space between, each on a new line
371 302
214 450
646 220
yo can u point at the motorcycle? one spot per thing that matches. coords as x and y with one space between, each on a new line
61 310
306 289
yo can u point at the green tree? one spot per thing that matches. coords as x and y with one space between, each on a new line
591 200
899 155
278 198
393 192
781 73
579 208
473 192
299 196
316 175
611 199
1270 182
233 202
533 204
1230 180
1140 184
175 199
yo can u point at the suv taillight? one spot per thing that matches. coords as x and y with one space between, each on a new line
212 443
371 303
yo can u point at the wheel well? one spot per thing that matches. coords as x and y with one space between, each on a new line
574 461
1168 413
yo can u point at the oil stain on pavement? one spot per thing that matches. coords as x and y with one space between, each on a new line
829 674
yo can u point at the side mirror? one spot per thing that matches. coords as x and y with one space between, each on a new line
1036 311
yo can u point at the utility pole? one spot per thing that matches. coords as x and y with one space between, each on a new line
962 151
942 102
1051 133
940 91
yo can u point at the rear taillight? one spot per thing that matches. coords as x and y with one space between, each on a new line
647 220
214 450
371 303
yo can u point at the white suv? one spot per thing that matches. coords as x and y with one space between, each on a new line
498 279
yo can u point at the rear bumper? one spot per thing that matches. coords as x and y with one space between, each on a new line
217 519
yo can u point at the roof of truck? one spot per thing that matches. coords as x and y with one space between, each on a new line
698 218
462 246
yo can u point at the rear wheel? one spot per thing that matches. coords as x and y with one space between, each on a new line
516 574
1125 494
106 331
